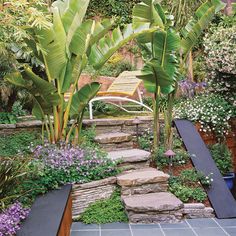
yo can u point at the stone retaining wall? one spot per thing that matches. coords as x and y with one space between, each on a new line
85 194
197 210
125 125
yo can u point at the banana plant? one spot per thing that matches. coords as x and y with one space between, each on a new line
65 47
165 51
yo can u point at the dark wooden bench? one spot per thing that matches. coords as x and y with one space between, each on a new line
50 215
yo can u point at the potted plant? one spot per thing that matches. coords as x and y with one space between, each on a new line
223 159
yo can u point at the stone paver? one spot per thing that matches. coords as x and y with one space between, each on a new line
113 138
152 202
143 176
130 155
202 227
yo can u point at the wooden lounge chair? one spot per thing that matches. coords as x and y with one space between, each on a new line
121 90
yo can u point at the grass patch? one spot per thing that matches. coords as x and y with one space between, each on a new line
105 211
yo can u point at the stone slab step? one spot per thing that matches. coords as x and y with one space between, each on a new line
141 177
130 155
152 202
116 137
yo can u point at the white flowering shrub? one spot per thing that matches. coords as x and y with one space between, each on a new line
212 111
220 49
220 56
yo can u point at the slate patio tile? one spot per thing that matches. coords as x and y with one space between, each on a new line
230 230
202 223
147 232
180 225
178 232
115 226
226 222
82 226
144 226
210 232
116 233
84 233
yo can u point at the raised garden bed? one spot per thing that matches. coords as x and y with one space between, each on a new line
50 215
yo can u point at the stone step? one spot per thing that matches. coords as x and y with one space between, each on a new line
131 159
153 208
117 137
130 155
142 176
143 181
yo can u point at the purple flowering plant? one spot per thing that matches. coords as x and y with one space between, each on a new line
61 164
11 218
189 88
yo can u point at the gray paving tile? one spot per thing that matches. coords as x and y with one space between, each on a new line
180 225
226 222
147 232
115 226
84 233
178 232
144 226
230 230
210 232
202 223
116 233
82 226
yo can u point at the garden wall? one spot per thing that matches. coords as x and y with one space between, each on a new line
85 194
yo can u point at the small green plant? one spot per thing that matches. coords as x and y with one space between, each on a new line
12 171
187 186
222 157
17 109
10 145
191 176
186 194
105 211
111 68
7 118
180 158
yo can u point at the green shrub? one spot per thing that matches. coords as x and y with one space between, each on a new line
7 118
111 69
186 194
19 142
222 157
121 10
187 186
17 109
105 211
12 172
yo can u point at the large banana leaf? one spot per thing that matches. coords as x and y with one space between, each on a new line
202 18
148 12
81 98
72 13
43 92
162 69
109 44
53 42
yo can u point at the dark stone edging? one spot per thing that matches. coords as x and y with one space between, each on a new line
50 215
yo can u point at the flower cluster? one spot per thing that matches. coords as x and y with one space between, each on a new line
211 111
220 49
10 219
189 89
205 180
67 164
59 157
